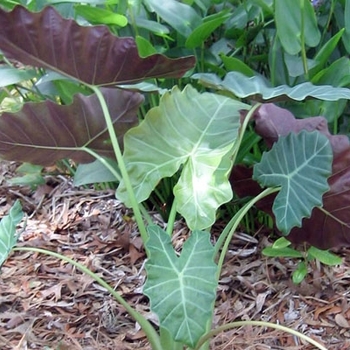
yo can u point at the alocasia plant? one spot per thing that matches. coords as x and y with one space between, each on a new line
195 134
329 224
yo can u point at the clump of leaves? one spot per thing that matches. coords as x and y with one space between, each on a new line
195 134
328 226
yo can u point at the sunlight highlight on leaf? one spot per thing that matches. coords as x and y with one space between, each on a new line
189 130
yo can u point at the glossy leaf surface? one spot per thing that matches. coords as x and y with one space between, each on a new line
88 54
181 289
189 130
325 52
300 164
42 133
100 16
325 256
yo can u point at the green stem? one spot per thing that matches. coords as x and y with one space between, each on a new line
231 325
302 41
171 219
226 235
71 170
273 62
326 27
202 57
104 162
151 333
121 164
241 132
144 212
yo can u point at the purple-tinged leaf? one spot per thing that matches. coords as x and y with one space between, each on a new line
243 185
42 133
271 122
329 226
92 55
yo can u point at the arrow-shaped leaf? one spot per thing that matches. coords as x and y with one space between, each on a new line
181 289
89 54
42 133
191 130
300 164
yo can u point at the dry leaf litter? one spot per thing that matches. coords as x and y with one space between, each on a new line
48 304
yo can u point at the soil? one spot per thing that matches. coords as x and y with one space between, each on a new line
48 304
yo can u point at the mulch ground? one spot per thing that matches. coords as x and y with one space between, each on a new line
48 304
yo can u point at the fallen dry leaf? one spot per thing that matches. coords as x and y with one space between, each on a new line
341 321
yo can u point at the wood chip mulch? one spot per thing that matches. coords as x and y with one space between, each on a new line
48 304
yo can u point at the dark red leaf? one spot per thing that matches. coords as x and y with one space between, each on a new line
89 54
42 133
271 122
243 185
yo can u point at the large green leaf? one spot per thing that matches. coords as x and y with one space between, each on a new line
8 224
289 16
182 289
243 86
203 187
191 130
300 164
